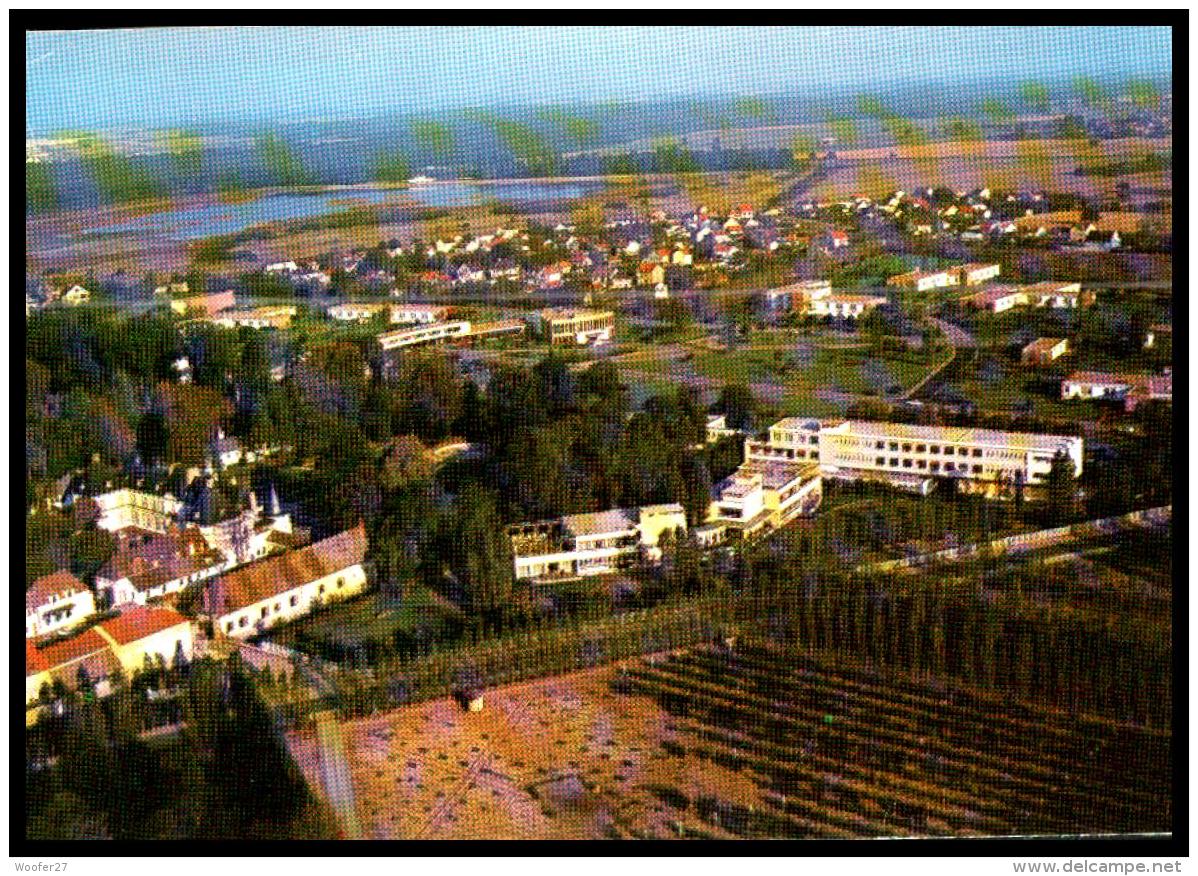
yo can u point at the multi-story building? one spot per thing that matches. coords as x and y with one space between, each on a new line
55 602
974 274
256 318
913 457
253 598
123 642
1131 389
354 311
845 306
925 281
590 544
1042 351
573 326
205 305
1058 294
423 334
999 299
148 566
760 496
123 508
797 296
418 314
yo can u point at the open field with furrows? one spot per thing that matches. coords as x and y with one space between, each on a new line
754 743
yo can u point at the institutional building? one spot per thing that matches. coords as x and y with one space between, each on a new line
253 598
925 281
423 334
579 327
761 496
974 274
913 457
1131 389
123 508
590 544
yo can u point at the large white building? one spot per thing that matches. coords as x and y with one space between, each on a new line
123 508
590 544
423 334
913 457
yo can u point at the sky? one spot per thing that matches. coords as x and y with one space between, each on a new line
172 76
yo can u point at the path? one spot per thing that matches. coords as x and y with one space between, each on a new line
1030 541
334 774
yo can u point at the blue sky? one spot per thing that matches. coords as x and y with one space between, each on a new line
152 77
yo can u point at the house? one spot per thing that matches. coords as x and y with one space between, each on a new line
204 305
591 544
835 239
225 449
717 428
123 508
1130 389
150 565
924 281
354 311
76 295
253 598
417 314
122 643
256 318
1058 294
650 274
797 296
55 602
1158 331
1042 351
172 289
974 274
762 495
281 268
913 457
573 326
998 299
845 306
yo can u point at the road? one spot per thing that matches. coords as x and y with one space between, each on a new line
957 336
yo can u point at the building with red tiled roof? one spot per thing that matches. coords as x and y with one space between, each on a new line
123 642
153 566
253 598
55 602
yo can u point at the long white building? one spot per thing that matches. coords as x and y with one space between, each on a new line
913 457
591 544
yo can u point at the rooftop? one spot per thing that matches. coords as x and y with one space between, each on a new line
1026 441
600 522
49 587
140 621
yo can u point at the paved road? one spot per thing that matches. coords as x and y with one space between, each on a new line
957 336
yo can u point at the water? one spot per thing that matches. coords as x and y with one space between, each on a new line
207 220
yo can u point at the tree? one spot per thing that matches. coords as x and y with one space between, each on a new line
1062 492
480 555
737 404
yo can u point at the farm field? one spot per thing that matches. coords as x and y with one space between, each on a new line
711 743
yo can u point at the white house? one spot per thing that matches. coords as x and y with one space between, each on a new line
845 306
151 566
253 598
591 544
55 602
76 295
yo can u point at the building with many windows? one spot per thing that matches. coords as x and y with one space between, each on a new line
255 597
914 457
573 326
761 496
123 508
590 544
55 602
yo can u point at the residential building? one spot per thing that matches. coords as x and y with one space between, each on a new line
925 281
762 495
912 457
149 565
56 602
76 295
354 311
845 306
418 314
573 326
204 305
225 449
974 274
591 544
717 428
124 508
1058 294
1131 389
256 318
124 642
1042 351
650 274
253 598
999 299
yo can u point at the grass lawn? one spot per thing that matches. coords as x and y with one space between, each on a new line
372 618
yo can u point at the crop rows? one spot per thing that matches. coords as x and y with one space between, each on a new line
841 752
